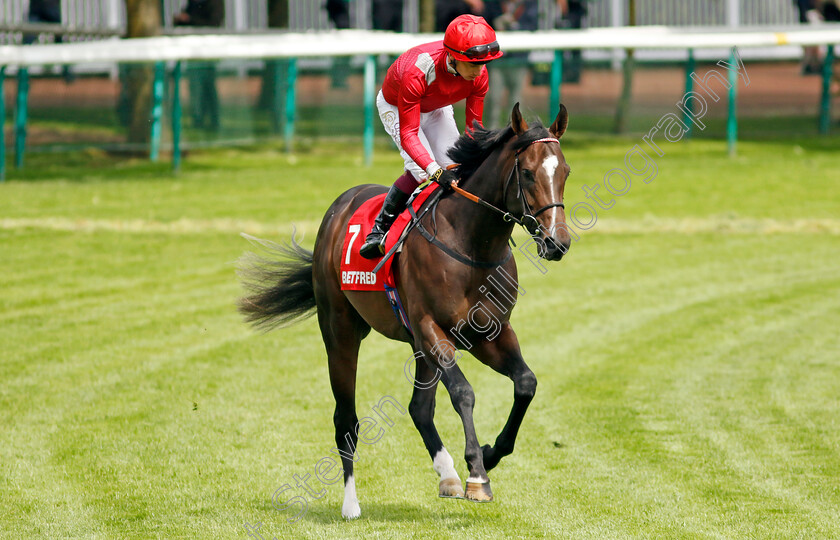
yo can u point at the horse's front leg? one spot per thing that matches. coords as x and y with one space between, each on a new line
439 351
503 355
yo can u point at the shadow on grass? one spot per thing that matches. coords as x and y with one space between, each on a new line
457 514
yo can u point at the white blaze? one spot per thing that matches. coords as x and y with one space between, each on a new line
550 166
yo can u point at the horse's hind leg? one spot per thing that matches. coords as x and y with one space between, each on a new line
343 330
422 411
503 355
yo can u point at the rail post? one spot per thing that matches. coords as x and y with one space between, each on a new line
289 129
556 80
20 115
370 88
825 102
2 124
157 110
176 117
690 66
732 116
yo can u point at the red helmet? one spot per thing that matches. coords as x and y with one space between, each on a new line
470 39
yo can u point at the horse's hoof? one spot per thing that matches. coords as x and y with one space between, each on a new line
477 492
450 488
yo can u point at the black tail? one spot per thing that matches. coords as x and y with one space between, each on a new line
280 287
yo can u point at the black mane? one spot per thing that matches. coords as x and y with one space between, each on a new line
474 146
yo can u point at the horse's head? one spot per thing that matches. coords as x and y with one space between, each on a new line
534 189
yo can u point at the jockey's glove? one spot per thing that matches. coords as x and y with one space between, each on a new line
444 178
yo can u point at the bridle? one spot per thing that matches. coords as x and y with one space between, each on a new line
528 219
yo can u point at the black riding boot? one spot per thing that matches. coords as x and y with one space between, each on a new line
394 204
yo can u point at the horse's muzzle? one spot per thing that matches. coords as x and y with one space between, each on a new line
551 249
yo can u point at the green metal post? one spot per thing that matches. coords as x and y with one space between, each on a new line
277 68
20 115
732 119
370 88
176 117
2 124
291 77
825 102
690 66
555 81
157 110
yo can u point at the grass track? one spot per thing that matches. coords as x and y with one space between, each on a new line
687 373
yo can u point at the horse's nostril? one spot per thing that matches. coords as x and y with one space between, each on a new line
552 249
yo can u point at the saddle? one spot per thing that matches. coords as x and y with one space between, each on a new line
357 273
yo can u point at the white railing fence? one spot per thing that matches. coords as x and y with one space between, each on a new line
249 15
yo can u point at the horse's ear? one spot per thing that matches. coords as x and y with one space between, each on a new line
559 126
516 122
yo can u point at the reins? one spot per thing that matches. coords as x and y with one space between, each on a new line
507 216
429 204
463 259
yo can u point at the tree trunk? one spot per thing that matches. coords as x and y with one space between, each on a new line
427 15
143 19
278 13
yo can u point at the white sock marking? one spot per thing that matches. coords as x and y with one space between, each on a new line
444 465
350 509
476 480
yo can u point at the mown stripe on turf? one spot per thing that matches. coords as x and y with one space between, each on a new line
180 226
685 225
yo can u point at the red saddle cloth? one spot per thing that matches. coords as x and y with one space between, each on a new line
356 271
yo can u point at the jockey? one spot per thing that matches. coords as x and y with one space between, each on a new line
415 106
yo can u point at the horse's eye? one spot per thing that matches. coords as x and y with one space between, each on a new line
528 176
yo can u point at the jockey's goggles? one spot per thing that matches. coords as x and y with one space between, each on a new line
479 51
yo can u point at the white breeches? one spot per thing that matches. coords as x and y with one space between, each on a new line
438 132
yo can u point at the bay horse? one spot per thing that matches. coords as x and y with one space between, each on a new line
509 171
